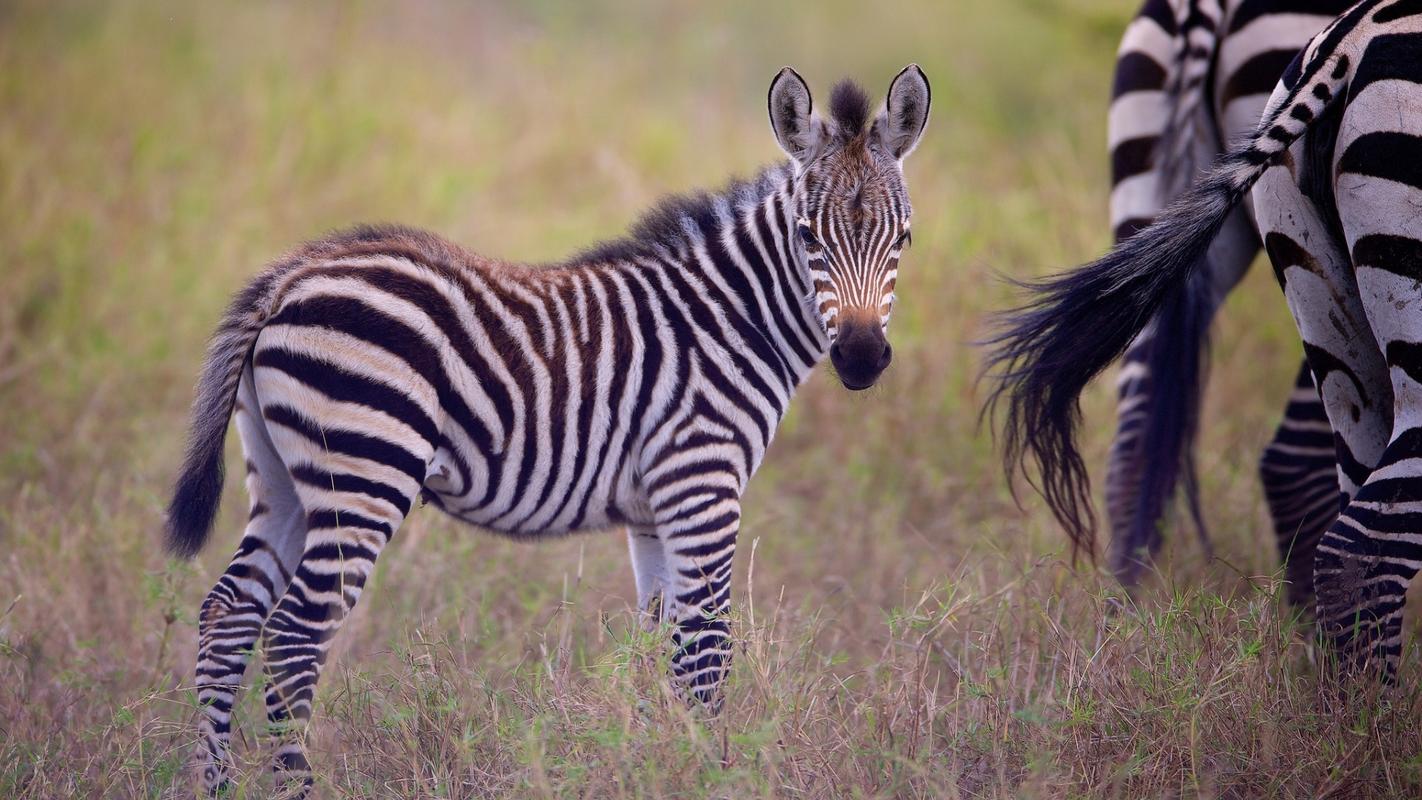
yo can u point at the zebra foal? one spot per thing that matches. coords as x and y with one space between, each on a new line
637 384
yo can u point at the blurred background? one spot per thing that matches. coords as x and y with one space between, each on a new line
906 630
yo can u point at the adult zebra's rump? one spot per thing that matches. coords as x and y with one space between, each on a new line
638 384
1335 189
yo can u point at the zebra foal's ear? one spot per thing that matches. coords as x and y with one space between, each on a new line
899 126
795 127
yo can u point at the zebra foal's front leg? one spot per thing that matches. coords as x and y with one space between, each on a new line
683 567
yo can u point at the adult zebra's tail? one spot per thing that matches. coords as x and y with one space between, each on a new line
198 490
1081 321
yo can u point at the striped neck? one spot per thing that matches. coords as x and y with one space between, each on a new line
740 242
757 247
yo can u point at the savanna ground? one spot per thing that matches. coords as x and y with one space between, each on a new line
905 630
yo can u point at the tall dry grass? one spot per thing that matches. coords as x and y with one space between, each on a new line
904 629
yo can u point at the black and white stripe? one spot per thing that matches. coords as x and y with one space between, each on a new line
1333 173
636 385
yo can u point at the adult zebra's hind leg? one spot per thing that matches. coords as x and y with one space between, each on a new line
1300 476
1141 108
234 611
1368 558
1159 390
1160 133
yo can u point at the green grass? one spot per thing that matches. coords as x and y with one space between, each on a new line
905 630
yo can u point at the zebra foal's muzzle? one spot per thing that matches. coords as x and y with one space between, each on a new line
860 353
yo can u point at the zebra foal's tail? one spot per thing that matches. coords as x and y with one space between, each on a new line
198 489
1077 323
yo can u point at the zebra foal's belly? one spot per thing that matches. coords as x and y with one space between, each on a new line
527 503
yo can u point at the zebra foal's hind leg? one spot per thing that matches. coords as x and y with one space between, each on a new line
649 568
357 472
353 507
234 611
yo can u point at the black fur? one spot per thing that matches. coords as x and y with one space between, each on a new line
849 108
196 498
1316 169
1177 361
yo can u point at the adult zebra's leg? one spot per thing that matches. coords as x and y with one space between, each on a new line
1348 367
1300 476
357 472
697 518
1368 558
1161 380
234 611
1129 555
1140 111
1160 132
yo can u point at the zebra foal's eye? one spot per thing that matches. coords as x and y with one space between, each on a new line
808 236
905 239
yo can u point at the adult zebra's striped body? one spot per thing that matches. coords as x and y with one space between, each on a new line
1192 76
638 384
1333 171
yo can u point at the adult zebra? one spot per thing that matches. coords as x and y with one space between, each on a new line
637 384
1192 76
1333 169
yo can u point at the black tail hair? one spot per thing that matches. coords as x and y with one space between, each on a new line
1177 358
1079 322
197 493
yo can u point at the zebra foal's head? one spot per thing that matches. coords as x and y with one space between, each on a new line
851 208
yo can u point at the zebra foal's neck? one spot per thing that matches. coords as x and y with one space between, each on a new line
732 252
